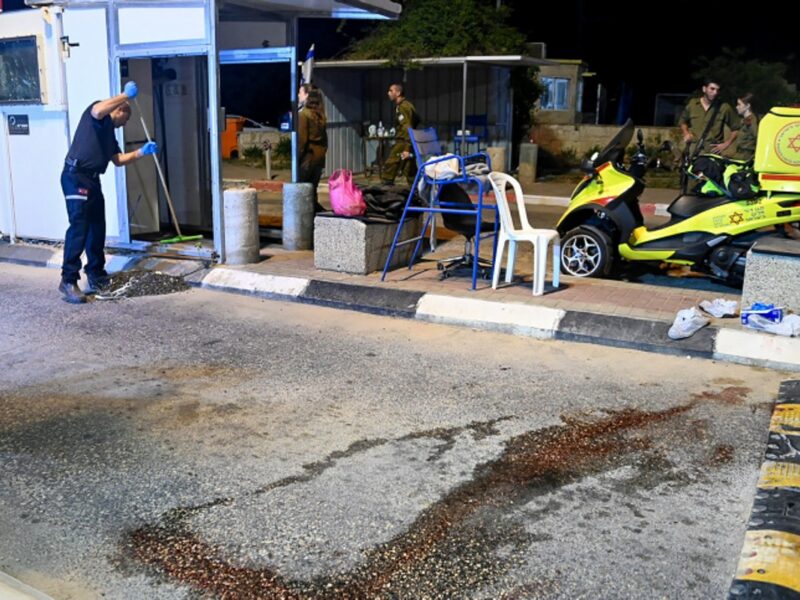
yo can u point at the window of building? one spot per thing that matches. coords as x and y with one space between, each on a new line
555 93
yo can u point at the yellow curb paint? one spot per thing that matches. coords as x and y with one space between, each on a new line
786 419
771 557
779 475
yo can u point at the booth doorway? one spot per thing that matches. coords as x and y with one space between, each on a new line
173 100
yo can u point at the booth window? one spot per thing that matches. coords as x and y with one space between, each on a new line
19 71
554 95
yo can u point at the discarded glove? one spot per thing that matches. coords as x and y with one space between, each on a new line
789 326
687 323
720 307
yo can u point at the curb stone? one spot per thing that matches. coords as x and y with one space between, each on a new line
14 589
769 565
724 344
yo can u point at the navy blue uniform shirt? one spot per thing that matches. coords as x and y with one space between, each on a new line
94 143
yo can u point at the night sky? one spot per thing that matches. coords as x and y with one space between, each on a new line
612 37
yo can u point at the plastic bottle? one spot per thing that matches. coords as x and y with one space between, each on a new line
381 131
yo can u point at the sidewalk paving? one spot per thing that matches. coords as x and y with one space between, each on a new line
601 311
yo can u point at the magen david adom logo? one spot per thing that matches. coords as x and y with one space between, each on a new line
787 144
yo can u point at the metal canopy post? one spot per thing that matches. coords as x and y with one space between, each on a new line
464 105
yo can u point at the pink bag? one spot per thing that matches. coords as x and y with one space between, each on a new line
346 199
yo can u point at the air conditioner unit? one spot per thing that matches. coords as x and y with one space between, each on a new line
537 49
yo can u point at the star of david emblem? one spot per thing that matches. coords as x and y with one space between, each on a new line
794 143
736 218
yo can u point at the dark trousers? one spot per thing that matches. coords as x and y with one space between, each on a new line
395 165
87 225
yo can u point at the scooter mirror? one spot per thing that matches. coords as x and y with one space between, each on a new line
587 165
594 156
666 146
639 136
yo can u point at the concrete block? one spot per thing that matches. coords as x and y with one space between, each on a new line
352 245
772 272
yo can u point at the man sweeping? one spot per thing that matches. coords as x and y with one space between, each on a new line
93 146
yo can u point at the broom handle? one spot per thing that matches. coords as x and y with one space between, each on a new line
160 173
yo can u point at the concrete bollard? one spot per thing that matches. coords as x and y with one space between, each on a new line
528 155
298 216
497 154
242 244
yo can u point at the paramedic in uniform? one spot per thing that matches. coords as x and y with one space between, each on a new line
401 156
698 111
93 146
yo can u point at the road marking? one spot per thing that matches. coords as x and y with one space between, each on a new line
771 557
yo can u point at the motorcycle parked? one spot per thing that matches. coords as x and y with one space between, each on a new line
603 224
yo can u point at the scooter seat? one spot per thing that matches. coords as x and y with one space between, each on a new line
687 206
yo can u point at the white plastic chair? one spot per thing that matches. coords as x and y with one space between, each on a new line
540 238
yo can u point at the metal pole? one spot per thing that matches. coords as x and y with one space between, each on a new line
464 107
268 161
597 104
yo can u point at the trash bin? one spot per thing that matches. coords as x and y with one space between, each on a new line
230 137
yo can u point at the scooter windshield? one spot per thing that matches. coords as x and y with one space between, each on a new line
615 149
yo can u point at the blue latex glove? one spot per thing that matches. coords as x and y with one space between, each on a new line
149 148
131 89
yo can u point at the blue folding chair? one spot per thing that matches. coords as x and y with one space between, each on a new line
428 151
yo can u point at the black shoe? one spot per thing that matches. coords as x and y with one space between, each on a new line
97 284
71 292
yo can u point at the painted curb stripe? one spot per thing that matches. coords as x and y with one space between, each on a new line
782 447
776 509
790 392
535 321
779 475
254 283
29 255
375 300
786 419
771 557
14 589
757 346
629 332
769 566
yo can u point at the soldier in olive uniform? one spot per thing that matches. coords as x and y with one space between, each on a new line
401 156
748 133
312 138
698 112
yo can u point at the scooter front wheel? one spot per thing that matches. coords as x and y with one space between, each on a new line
586 252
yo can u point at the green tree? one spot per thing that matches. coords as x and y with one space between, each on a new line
738 75
441 28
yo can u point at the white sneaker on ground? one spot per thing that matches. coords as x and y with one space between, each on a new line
687 322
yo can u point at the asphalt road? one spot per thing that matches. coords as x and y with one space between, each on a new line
202 445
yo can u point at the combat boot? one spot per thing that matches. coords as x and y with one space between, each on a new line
71 292
97 284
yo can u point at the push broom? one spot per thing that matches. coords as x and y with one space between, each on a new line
180 237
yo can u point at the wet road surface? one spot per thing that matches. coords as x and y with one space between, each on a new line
203 445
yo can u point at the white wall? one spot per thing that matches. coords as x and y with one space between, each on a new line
142 25
30 165
89 79
238 35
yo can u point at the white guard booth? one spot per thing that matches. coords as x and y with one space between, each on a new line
57 58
